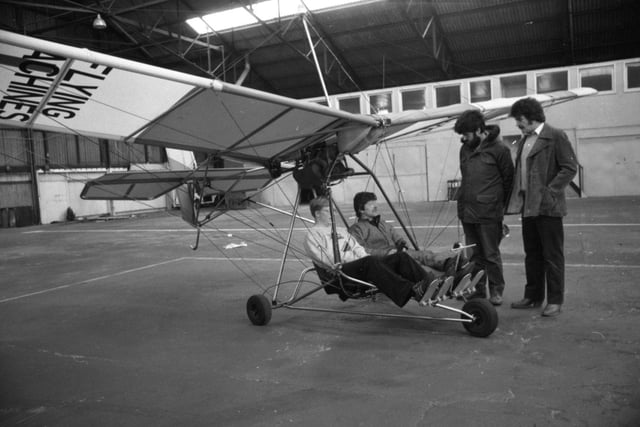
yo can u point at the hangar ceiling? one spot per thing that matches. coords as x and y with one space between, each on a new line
374 44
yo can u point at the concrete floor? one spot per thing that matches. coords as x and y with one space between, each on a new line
120 323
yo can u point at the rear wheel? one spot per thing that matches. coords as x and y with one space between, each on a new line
259 310
485 317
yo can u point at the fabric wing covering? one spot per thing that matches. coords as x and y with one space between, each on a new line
50 90
147 185
50 86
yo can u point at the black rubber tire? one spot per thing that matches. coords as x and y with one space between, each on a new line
485 315
259 310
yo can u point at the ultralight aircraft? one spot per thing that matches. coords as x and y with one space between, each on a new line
53 87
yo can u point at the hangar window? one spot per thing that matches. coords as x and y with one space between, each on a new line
447 95
350 105
14 153
65 151
632 76
62 150
381 103
512 86
414 99
39 152
142 153
89 152
121 154
480 90
552 81
598 78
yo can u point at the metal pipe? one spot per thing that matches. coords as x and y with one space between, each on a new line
264 205
377 314
286 247
315 59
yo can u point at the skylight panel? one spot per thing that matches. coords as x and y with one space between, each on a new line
266 11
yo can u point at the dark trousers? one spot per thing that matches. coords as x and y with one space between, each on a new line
486 253
543 238
394 275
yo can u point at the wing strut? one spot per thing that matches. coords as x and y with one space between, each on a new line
294 215
315 59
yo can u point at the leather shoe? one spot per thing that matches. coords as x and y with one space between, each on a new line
551 310
495 300
526 303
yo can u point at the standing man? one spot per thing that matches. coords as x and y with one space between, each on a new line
545 165
487 175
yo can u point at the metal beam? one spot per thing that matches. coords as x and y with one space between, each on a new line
439 48
328 42
289 44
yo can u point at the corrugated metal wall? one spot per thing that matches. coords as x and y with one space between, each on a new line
22 153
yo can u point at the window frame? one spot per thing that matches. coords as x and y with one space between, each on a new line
513 75
446 85
612 66
422 88
352 97
485 79
370 96
552 72
625 75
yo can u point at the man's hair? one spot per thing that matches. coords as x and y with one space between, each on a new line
361 199
529 108
318 203
470 121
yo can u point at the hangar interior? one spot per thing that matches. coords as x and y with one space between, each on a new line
373 56
120 323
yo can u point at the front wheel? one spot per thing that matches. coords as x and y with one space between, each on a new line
485 317
259 310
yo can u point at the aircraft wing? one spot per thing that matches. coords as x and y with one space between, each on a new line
416 122
148 185
50 86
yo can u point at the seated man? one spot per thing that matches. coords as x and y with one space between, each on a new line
380 240
398 276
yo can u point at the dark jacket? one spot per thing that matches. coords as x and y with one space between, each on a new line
551 165
487 176
376 236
